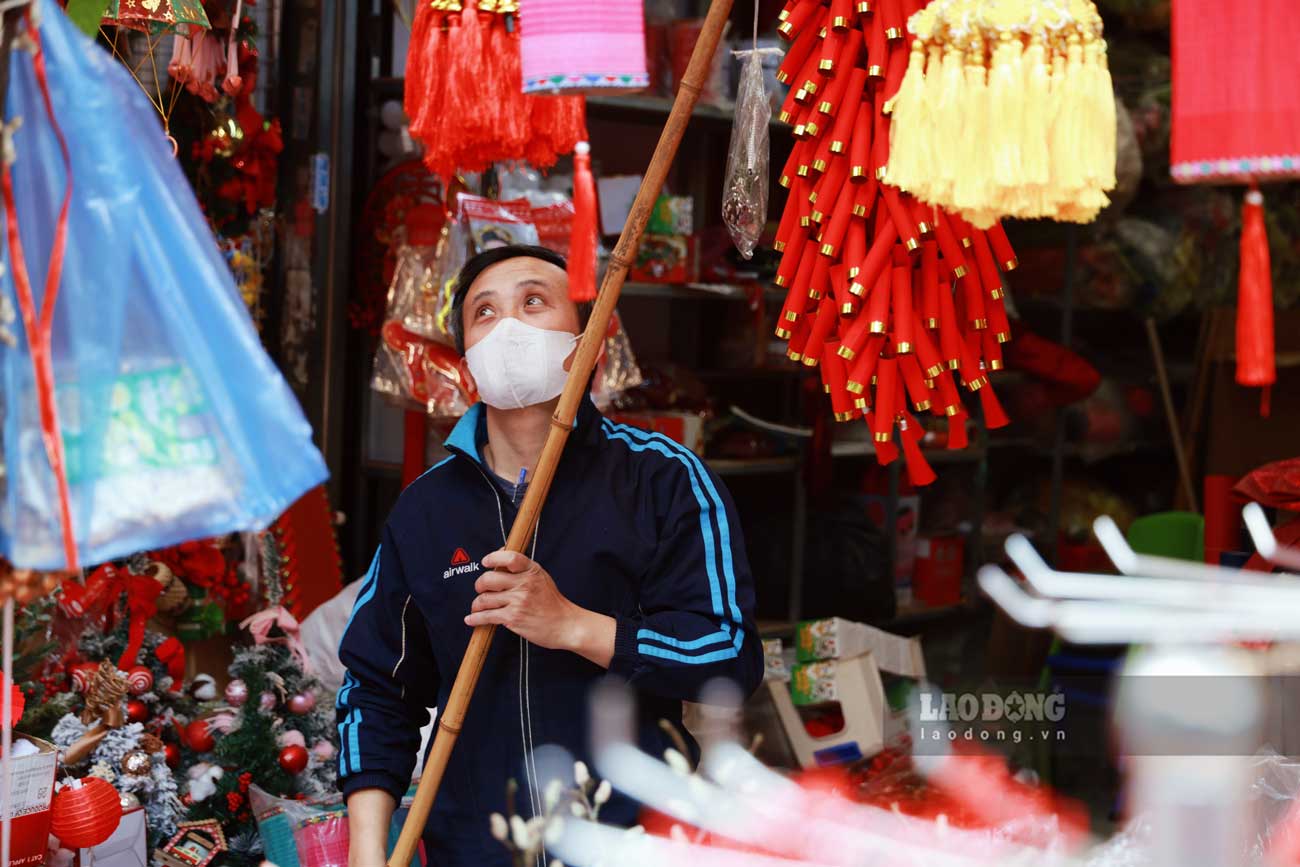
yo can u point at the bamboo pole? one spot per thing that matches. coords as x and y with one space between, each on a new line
452 716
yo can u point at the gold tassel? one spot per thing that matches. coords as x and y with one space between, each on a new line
972 187
1034 118
948 130
1006 114
909 153
1107 127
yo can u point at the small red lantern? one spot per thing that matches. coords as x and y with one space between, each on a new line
199 737
293 759
85 813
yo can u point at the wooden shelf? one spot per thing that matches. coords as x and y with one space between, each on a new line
863 448
656 108
693 291
754 466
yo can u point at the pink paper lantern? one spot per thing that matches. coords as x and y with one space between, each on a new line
583 46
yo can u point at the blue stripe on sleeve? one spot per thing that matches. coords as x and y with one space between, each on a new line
708 511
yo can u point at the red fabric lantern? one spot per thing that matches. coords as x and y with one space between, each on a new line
1236 119
85 813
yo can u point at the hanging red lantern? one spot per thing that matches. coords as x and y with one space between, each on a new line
85 813
199 737
1234 122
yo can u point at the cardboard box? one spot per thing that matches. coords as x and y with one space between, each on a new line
128 847
940 562
686 428
774 667
856 685
837 638
32 787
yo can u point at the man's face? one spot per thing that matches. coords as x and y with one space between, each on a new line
530 290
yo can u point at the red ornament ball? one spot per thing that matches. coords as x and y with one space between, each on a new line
173 755
293 759
136 711
85 813
139 680
198 736
302 703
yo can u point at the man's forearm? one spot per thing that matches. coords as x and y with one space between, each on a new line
370 812
591 636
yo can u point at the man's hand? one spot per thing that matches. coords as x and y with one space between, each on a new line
521 596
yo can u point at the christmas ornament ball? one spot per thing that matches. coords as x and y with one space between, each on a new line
323 750
136 711
82 672
137 763
139 680
203 687
128 801
293 759
302 703
236 692
198 736
85 813
266 701
173 754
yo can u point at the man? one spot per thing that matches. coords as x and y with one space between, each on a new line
637 568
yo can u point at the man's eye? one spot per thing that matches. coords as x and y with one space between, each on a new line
534 300
485 309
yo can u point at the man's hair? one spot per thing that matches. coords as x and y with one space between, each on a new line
481 262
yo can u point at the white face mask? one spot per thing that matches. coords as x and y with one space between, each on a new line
519 365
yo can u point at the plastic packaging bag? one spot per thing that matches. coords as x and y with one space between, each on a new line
617 370
314 833
744 192
175 424
497 224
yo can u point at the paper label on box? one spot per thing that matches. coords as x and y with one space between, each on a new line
774 667
818 639
31 784
813 683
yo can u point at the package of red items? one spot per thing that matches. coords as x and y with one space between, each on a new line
497 224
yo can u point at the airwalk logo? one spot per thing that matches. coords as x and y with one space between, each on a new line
461 564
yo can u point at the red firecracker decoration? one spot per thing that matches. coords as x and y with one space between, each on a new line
85 813
901 305
293 759
464 93
136 711
1234 121
199 737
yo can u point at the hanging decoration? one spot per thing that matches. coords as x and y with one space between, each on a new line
1235 121
464 92
583 46
889 297
85 813
1006 109
136 33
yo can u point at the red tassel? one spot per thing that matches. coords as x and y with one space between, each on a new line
919 471
582 238
994 416
957 436
1255 362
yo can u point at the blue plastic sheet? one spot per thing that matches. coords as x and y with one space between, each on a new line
175 422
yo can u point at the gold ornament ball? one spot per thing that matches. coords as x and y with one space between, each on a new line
137 763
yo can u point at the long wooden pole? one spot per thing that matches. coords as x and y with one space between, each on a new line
1171 417
452 715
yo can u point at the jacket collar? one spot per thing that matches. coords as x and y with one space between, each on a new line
470 433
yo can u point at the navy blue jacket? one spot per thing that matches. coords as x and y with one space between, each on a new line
635 526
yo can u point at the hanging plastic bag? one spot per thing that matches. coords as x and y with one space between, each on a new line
617 370
171 421
744 193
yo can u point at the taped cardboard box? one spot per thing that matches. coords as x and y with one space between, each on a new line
31 789
854 683
837 638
